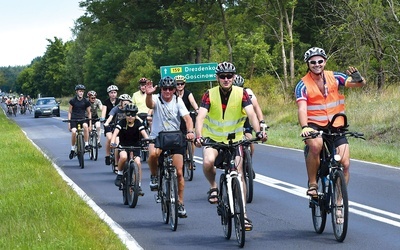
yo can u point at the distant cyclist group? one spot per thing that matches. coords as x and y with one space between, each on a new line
227 114
23 103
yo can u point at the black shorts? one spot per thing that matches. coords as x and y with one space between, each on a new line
75 124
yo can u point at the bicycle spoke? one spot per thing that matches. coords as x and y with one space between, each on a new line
339 206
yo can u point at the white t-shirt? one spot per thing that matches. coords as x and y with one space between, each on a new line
167 115
251 94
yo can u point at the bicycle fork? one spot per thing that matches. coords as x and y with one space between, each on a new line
229 177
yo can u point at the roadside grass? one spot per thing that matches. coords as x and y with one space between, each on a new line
38 210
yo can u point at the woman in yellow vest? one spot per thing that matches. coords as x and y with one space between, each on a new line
318 100
220 114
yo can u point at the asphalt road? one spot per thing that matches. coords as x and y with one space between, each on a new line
280 213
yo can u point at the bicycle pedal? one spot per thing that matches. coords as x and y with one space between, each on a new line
157 198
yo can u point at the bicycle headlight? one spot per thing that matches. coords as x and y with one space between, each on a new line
337 157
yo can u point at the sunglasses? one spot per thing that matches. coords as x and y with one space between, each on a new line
130 114
180 84
229 76
168 88
315 62
92 98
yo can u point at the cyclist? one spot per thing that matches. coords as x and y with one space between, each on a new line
77 108
220 115
318 100
95 106
248 130
188 100
111 102
129 131
117 113
139 99
167 111
22 103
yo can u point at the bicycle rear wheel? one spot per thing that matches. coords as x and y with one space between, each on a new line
238 216
81 151
132 184
318 210
173 201
189 163
223 207
249 174
340 209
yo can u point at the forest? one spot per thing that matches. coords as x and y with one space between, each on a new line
120 41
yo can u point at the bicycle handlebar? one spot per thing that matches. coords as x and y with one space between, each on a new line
333 134
221 145
77 120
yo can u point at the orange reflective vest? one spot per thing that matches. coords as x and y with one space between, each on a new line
321 108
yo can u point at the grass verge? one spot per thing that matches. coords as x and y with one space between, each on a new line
38 209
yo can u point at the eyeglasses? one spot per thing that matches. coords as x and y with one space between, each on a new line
168 88
315 62
130 114
92 98
229 76
180 84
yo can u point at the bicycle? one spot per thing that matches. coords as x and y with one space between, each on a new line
248 171
230 197
79 142
332 189
167 190
144 152
188 162
93 141
131 177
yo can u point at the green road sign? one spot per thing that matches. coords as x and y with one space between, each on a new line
201 72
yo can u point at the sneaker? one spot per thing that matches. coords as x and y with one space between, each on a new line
87 148
153 183
181 211
99 145
118 180
141 191
108 162
71 154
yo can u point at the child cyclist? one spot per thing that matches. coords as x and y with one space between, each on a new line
129 131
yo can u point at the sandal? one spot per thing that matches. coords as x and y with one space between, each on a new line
213 198
248 224
313 190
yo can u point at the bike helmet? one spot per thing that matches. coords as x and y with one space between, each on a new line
314 51
91 93
167 82
131 108
79 87
112 88
180 78
125 97
225 67
239 81
142 81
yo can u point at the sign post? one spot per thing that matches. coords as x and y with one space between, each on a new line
201 72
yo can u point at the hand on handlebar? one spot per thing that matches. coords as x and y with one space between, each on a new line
306 131
113 145
198 142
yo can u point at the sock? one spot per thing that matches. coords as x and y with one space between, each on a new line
86 143
73 148
120 172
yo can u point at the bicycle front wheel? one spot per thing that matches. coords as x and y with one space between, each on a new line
173 201
81 151
163 188
132 184
238 215
94 150
189 163
318 210
340 209
223 207
249 175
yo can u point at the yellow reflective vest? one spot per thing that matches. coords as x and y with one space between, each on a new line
218 125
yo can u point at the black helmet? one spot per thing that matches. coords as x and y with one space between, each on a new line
239 81
131 108
314 51
167 82
225 67
79 87
142 81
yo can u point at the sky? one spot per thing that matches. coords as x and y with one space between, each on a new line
25 26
